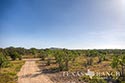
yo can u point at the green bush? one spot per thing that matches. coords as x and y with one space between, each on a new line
3 61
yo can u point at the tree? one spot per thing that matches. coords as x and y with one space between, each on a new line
49 55
75 54
3 61
90 54
19 57
118 62
89 61
33 51
59 58
43 54
14 55
68 57
63 57
101 57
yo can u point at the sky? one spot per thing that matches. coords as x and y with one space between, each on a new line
73 24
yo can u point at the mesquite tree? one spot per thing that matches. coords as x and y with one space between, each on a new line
118 62
43 55
63 57
3 61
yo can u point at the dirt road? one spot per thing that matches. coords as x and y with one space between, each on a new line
30 73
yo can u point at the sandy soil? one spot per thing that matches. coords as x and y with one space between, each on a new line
30 73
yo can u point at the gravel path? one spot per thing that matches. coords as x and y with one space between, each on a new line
30 73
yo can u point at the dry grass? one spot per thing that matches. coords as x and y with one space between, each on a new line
77 65
9 74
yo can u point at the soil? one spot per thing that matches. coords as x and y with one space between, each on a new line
30 73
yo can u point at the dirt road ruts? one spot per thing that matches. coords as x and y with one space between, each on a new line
30 73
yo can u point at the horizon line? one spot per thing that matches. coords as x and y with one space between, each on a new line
64 48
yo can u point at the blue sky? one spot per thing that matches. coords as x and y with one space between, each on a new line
74 24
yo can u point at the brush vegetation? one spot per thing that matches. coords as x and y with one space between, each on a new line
57 59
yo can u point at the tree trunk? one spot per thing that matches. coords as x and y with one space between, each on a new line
67 65
48 61
60 66
123 72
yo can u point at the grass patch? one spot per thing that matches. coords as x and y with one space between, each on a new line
9 74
